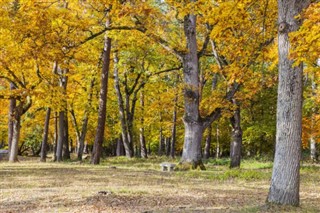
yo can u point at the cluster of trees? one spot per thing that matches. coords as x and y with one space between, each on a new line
124 77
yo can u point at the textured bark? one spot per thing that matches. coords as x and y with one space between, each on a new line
19 110
313 150
97 146
123 115
285 181
313 146
62 144
207 148
60 136
43 153
218 142
167 145
65 150
13 157
143 147
161 147
192 121
236 138
55 137
120 148
12 107
174 128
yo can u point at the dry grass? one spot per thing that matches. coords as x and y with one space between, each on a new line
121 185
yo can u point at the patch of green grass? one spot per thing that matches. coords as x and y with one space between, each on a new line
254 164
217 162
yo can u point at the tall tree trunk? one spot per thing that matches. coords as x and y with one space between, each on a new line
62 144
236 138
97 146
143 147
313 146
60 136
66 149
13 157
83 134
55 137
168 145
44 143
207 147
174 128
218 142
192 121
161 143
20 109
12 107
122 113
120 147
285 181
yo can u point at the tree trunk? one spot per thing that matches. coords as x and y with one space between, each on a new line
12 107
313 145
122 113
285 181
43 154
83 134
55 137
313 150
65 150
161 142
236 141
143 147
207 147
174 128
13 157
120 147
168 145
97 146
61 135
192 121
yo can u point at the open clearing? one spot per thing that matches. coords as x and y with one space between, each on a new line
137 185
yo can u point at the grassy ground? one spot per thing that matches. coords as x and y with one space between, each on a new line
137 185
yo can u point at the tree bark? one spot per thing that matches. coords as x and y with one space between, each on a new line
285 181
143 147
218 142
12 107
13 157
122 112
20 109
85 120
192 120
167 145
65 150
120 148
97 146
44 143
55 137
236 138
60 136
174 128
313 145
207 147
161 147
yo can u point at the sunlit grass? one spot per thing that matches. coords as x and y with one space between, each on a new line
119 184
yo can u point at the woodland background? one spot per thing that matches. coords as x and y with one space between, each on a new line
51 58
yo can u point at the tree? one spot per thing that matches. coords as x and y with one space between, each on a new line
285 181
97 146
44 144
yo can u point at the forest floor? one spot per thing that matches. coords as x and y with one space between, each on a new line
137 185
